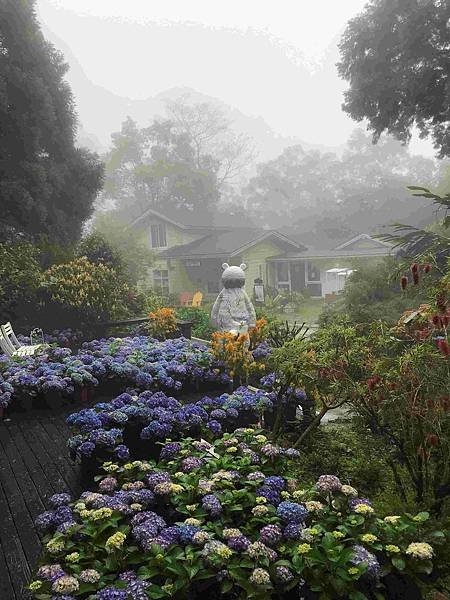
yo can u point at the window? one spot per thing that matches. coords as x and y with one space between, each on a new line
313 272
192 263
158 235
283 276
161 280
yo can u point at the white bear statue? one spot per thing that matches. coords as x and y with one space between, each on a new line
233 310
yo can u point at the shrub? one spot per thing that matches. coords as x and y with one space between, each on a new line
162 323
20 278
200 317
92 290
224 519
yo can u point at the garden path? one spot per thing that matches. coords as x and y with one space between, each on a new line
34 464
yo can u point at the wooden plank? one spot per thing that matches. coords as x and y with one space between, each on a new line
30 494
58 456
37 474
18 567
53 475
22 518
6 586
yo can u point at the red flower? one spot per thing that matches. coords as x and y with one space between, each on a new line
443 347
436 320
415 278
414 268
373 381
432 439
426 268
404 282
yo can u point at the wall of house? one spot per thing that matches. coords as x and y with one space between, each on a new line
255 257
174 235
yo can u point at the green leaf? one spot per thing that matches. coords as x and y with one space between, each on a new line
398 563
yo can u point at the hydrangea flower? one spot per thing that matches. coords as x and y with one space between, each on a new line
291 512
328 483
361 555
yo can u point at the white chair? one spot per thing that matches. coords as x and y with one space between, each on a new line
12 344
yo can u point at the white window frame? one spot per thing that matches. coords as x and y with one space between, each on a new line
155 242
284 284
158 280
307 279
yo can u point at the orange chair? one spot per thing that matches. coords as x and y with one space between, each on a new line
197 299
186 298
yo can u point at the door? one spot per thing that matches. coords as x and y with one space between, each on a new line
297 276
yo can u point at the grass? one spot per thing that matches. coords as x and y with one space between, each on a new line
308 312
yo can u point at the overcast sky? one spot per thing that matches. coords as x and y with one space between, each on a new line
268 58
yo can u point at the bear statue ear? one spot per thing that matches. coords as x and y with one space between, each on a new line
243 266
225 266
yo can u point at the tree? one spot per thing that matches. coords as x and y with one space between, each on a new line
215 143
395 56
130 251
155 167
47 185
333 198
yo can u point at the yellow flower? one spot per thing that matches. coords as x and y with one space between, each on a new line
392 520
337 534
74 557
298 494
369 538
55 546
115 542
420 550
314 506
176 488
179 474
191 507
353 571
303 548
363 509
101 513
261 500
392 548
35 585
261 439
232 449
128 466
285 495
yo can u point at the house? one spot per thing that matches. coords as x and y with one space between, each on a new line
190 256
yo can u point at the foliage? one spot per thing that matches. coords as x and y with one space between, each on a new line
162 323
201 320
155 167
419 244
227 521
20 278
394 56
232 351
258 333
47 185
133 250
371 293
92 289
283 332
363 188
98 251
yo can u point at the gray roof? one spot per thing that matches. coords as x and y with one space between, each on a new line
229 243
362 253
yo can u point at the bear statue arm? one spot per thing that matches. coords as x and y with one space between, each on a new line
215 310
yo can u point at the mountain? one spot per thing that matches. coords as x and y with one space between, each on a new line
101 112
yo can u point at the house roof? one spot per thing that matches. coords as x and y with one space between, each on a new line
181 218
355 253
363 236
228 243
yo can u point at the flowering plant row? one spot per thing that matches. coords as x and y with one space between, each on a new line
143 421
222 519
140 362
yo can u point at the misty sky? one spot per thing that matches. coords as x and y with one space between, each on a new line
270 59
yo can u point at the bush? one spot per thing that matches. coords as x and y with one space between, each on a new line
20 279
90 291
200 317
225 520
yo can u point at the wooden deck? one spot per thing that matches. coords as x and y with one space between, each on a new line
34 464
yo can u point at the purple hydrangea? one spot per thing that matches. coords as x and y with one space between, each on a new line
159 477
112 593
275 482
271 495
361 555
328 483
293 531
239 543
283 574
122 452
59 500
186 533
170 450
291 512
270 534
212 505
190 463
45 522
353 502
214 426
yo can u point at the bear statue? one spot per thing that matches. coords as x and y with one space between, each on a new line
233 310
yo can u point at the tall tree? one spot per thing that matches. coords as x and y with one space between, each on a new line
396 57
47 185
155 167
